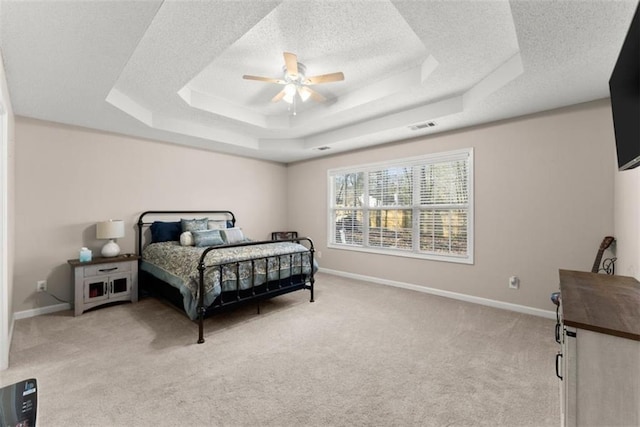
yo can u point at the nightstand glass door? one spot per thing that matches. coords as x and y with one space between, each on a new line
119 285
95 290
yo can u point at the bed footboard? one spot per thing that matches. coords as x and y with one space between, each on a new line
294 278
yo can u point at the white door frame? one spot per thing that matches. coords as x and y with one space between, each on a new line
4 264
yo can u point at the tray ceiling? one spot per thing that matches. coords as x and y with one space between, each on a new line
172 70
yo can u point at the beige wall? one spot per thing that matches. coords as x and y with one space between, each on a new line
69 178
627 218
543 201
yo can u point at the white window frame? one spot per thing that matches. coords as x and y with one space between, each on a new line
442 157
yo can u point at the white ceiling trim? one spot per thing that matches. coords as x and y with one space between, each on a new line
454 105
124 103
205 102
394 85
499 77
163 122
401 119
187 127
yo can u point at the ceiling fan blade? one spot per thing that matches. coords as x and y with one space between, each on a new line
291 63
279 96
315 95
263 79
324 78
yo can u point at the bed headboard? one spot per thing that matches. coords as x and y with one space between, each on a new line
147 218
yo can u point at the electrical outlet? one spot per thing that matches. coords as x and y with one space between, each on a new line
319 253
41 285
514 282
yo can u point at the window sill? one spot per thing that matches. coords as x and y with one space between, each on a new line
404 254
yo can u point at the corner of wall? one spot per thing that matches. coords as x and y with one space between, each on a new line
626 223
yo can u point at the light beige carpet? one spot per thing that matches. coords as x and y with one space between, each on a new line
362 354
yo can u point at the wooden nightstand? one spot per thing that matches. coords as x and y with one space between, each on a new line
104 280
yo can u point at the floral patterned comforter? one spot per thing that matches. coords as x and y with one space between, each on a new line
177 265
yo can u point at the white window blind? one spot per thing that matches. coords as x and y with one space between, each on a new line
348 189
418 207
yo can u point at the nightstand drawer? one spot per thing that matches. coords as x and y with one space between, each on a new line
110 268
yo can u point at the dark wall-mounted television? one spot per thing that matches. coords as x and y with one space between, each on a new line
624 87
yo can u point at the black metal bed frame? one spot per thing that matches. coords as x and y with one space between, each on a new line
256 293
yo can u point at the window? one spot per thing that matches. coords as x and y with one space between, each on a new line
419 207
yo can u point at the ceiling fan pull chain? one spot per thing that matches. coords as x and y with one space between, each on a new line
294 104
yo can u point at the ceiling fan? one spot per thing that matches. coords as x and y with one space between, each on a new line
295 81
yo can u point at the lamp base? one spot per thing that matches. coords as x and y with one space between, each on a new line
110 249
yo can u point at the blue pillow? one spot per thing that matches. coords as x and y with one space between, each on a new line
207 238
165 231
194 224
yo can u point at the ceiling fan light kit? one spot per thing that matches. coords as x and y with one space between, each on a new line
296 83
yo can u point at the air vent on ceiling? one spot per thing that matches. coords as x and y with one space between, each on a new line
424 125
323 148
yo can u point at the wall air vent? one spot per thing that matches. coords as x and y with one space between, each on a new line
323 148
424 125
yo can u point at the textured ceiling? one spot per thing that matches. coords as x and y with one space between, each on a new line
172 70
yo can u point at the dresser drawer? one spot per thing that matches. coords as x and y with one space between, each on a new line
104 269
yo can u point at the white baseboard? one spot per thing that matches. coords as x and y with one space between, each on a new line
41 310
549 314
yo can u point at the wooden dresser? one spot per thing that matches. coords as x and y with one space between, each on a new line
600 356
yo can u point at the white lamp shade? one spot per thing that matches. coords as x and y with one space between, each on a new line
304 93
111 229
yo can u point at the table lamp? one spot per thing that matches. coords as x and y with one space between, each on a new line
110 230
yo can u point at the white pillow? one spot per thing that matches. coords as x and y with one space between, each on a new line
233 235
186 239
